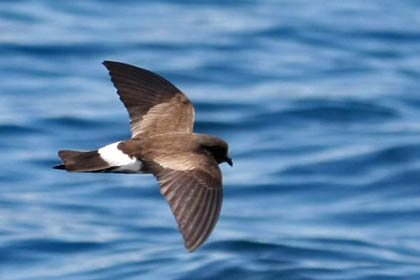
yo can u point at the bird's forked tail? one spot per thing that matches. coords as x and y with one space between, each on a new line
82 161
107 159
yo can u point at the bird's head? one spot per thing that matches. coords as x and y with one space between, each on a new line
217 147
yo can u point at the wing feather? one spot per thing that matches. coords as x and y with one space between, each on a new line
194 195
155 106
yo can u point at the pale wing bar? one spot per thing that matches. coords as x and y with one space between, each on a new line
155 106
195 198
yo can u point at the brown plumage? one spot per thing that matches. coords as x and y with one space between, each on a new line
163 144
155 105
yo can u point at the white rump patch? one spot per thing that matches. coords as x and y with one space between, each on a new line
115 157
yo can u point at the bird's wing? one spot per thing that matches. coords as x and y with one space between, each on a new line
155 106
192 184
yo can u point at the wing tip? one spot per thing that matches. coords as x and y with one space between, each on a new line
190 249
109 63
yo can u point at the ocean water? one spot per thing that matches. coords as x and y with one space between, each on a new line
319 101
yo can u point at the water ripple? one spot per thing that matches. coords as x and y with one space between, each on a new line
318 101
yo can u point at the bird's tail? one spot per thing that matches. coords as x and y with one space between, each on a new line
76 161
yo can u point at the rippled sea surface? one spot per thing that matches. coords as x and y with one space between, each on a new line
319 101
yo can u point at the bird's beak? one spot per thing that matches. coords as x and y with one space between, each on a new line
229 161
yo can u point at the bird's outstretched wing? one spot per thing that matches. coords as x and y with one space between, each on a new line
155 106
192 184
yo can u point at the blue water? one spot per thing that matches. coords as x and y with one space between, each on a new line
319 101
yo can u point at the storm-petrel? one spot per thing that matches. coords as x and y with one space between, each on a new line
162 143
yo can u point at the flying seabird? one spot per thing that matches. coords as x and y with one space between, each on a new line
163 144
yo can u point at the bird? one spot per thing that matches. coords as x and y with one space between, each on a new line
162 143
